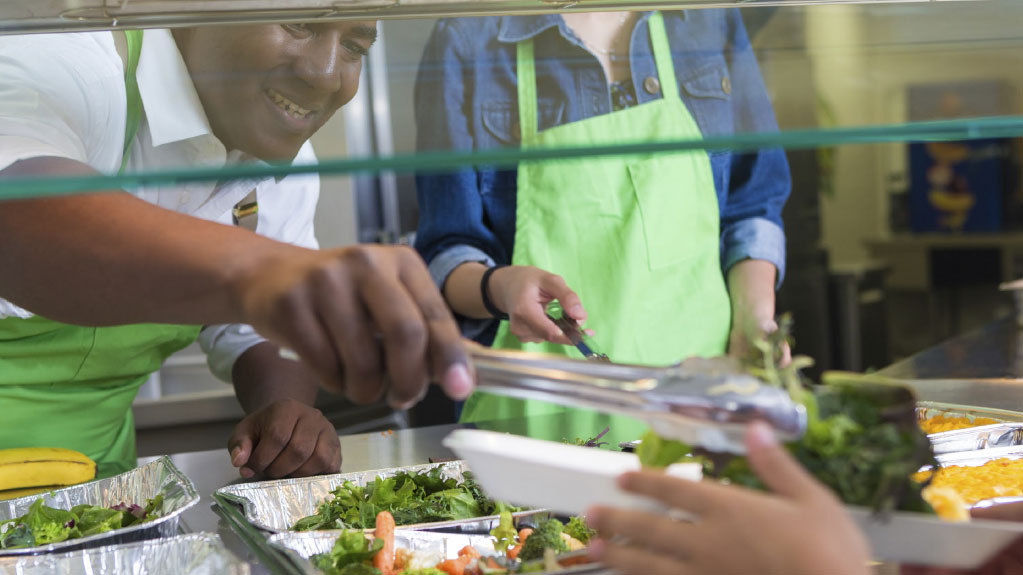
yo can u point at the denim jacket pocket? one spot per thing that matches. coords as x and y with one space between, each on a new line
708 92
501 121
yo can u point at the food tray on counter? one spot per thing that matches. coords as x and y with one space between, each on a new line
916 538
980 457
1007 432
159 476
982 437
276 505
299 547
191 554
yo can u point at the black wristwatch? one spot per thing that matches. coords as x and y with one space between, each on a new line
491 308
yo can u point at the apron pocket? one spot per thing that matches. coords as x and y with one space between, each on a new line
678 224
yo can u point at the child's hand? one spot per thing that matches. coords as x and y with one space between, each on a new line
800 528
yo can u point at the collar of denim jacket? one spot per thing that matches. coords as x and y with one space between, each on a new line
514 29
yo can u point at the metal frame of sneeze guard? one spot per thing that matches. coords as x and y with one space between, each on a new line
708 406
25 16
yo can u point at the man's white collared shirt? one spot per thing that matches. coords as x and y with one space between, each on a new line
63 95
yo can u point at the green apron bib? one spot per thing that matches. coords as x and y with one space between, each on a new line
637 237
70 386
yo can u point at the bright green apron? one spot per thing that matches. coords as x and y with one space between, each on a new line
70 386
636 237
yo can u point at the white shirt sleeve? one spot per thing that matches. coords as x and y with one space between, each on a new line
61 95
286 212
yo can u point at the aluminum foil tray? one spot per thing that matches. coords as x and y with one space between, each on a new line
300 546
135 486
276 505
980 457
925 409
192 554
974 438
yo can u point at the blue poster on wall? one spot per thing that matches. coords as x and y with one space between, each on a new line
957 186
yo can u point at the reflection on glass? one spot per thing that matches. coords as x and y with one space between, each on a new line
823 68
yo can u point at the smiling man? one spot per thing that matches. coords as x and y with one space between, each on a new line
97 290
267 90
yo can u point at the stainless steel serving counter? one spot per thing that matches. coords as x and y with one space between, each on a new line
982 368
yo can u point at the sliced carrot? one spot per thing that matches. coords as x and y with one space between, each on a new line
384 559
453 566
469 551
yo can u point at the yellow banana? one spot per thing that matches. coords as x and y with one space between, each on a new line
43 466
16 493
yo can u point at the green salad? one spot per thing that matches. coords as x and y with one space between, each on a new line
350 555
42 525
861 439
355 552
410 497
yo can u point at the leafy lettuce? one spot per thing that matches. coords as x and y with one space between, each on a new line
410 497
861 438
42 525
351 555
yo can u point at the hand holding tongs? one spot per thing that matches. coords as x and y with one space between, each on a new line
707 403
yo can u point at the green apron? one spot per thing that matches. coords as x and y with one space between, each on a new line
70 386
636 237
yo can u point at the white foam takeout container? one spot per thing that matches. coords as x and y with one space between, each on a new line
569 479
559 477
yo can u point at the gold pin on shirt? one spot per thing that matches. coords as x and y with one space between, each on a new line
245 213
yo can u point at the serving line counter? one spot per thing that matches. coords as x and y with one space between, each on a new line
982 368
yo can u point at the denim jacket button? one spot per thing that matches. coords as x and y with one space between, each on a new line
651 85
726 85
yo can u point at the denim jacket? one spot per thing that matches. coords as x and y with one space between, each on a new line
465 99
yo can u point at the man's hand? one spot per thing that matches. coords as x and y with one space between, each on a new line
799 529
366 319
286 438
523 293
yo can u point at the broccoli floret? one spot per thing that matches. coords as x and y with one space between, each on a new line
547 535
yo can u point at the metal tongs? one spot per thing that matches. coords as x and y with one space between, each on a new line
703 402
575 335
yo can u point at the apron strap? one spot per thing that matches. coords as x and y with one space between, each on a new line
662 56
526 84
131 89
